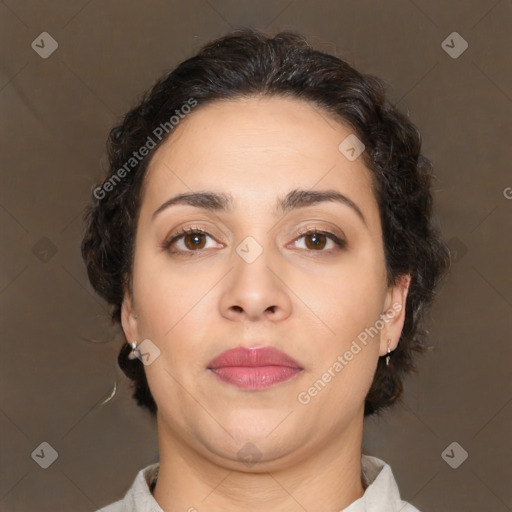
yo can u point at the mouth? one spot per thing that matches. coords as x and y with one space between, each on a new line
254 368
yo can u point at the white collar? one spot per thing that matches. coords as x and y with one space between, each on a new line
381 495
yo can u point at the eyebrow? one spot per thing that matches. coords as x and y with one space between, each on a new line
295 199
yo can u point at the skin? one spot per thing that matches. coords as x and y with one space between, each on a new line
193 307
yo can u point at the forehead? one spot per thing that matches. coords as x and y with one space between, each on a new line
254 149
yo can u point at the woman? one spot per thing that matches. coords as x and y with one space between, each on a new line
265 239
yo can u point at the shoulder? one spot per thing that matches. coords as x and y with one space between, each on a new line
113 507
404 507
139 497
382 493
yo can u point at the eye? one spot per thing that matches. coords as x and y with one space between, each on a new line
316 240
193 240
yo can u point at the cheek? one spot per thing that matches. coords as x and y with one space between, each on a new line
347 298
175 309
346 354
164 308
172 311
159 293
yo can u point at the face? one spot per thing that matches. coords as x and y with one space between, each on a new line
255 275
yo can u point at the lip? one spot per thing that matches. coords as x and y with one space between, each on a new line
254 368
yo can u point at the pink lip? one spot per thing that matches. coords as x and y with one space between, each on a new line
254 368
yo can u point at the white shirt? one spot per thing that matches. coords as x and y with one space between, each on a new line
381 495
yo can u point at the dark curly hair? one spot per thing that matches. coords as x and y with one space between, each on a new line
248 63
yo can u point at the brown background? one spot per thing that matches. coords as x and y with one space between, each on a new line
59 350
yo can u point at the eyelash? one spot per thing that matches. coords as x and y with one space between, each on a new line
198 231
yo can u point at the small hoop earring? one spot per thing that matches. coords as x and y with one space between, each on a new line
135 353
388 356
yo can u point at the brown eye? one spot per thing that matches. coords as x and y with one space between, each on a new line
318 240
194 241
187 241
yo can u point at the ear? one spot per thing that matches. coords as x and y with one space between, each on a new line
394 314
129 318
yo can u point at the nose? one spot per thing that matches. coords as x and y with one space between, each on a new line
255 290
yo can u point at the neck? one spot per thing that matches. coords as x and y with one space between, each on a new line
326 478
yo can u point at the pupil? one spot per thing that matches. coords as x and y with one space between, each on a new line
318 238
195 240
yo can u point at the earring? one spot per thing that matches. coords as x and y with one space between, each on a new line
388 356
135 353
